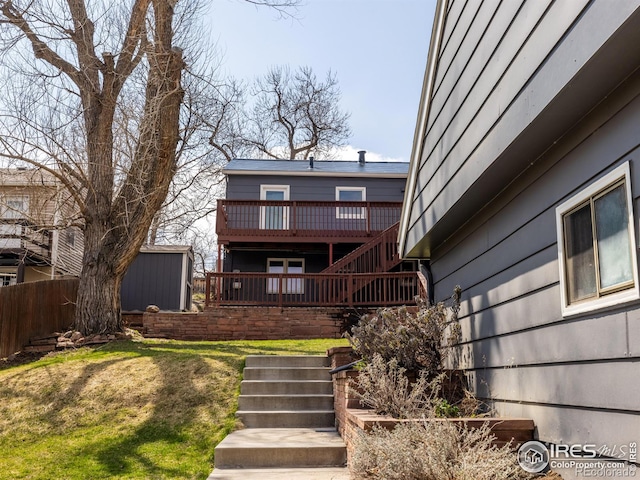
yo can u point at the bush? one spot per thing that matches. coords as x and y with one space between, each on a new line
435 450
414 340
385 387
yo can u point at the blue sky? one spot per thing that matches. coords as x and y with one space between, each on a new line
377 48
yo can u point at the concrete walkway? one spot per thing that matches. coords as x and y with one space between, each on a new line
286 403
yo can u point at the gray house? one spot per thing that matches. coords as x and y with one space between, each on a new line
523 189
294 218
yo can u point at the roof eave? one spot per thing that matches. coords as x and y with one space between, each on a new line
421 123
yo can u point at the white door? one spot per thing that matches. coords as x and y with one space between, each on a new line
274 217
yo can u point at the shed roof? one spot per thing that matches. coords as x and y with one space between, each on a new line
321 168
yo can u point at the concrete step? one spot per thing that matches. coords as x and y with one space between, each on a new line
323 473
287 361
286 373
281 448
285 402
286 387
287 418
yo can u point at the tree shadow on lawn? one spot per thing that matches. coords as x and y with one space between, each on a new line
174 432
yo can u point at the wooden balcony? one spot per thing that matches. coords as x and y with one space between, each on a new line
21 236
303 221
309 289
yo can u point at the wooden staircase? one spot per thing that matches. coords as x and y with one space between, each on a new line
380 254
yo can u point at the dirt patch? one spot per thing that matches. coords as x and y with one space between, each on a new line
20 358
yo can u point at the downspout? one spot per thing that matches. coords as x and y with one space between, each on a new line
421 124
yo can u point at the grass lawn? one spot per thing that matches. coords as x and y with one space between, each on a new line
144 409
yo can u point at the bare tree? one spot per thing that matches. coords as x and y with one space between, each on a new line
296 115
71 133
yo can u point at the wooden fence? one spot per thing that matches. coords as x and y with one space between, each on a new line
31 309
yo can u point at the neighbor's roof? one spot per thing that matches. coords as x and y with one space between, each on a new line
321 168
165 248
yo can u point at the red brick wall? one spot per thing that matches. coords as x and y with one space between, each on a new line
246 323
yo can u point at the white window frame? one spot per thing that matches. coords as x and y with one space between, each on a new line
9 278
263 210
15 213
621 173
292 286
353 213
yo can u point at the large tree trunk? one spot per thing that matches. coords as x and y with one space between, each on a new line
98 301
116 226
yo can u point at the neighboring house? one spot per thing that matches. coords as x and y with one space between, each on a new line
523 189
160 275
288 218
36 241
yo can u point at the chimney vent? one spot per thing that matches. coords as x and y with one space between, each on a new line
361 159
310 162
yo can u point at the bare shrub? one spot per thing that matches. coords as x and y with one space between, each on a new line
432 450
412 339
385 387
416 340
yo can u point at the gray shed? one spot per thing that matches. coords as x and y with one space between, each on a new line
160 275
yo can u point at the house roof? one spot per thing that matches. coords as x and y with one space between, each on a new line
321 168
165 248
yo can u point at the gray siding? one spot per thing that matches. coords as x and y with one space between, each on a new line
154 279
578 377
247 187
501 67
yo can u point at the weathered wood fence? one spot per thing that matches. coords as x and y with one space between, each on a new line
31 309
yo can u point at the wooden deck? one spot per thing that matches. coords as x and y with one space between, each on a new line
308 290
303 221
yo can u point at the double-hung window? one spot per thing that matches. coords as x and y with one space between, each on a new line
15 207
596 245
351 194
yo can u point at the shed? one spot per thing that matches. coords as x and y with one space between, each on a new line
160 275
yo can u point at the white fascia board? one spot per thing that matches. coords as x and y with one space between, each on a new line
421 123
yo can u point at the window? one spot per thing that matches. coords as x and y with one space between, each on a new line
71 237
596 245
272 215
351 194
285 265
15 207
7 279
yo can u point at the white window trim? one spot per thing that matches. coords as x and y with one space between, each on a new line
362 214
287 282
285 210
8 212
613 299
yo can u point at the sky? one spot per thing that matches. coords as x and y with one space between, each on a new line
377 49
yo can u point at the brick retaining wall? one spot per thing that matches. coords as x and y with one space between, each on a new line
247 323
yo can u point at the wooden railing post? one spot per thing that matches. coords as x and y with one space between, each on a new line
207 289
294 218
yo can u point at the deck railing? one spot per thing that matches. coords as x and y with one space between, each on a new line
266 219
21 234
319 289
